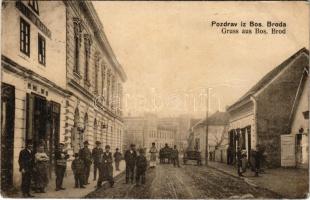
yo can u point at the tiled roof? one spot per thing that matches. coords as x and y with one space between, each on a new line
218 118
268 77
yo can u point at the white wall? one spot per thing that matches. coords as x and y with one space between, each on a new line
55 69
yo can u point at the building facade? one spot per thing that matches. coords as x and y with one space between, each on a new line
217 125
95 78
295 145
61 81
145 130
33 81
262 115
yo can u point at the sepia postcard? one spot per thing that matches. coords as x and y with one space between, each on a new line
154 99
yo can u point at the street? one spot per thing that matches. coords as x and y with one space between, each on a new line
187 182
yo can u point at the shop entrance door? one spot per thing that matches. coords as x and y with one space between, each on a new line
43 123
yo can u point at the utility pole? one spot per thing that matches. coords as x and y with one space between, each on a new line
206 124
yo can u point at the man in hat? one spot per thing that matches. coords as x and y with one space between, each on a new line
97 157
106 173
117 158
26 162
61 157
86 156
130 160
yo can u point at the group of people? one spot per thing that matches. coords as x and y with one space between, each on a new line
256 158
102 160
171 154
37 163
136 165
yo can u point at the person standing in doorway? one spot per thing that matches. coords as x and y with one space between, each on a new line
117 158
86 156
153 151
61 157
97 157
130 159
26 161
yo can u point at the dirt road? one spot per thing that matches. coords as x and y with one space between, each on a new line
187 182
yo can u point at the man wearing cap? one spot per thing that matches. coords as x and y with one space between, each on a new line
26 162
97 157
130 160
86 156
106 169
61 157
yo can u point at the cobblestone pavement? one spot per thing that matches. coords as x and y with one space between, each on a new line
189 181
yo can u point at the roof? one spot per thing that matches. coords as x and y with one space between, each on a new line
268 77
218 118
193 122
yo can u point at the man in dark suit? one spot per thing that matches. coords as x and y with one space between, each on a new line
130 160
61 164
85 155
26 162
97 157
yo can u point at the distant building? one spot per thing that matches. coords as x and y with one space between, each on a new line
133 131
217 125
262 115
144 130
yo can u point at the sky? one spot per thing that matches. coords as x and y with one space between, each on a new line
172 55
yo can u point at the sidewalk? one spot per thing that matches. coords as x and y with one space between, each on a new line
68 183
288 182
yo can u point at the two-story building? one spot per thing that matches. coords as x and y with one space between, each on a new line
61 81
33 84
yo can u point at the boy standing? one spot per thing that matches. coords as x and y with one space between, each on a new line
117 158
78 171
141 165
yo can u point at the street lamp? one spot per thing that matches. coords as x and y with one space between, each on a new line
208 91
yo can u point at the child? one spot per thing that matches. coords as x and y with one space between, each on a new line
141 165
78 171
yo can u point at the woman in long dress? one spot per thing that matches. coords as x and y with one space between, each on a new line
153 152
41 168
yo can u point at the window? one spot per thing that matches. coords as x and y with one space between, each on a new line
34 5
24 37
41 49
77 44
